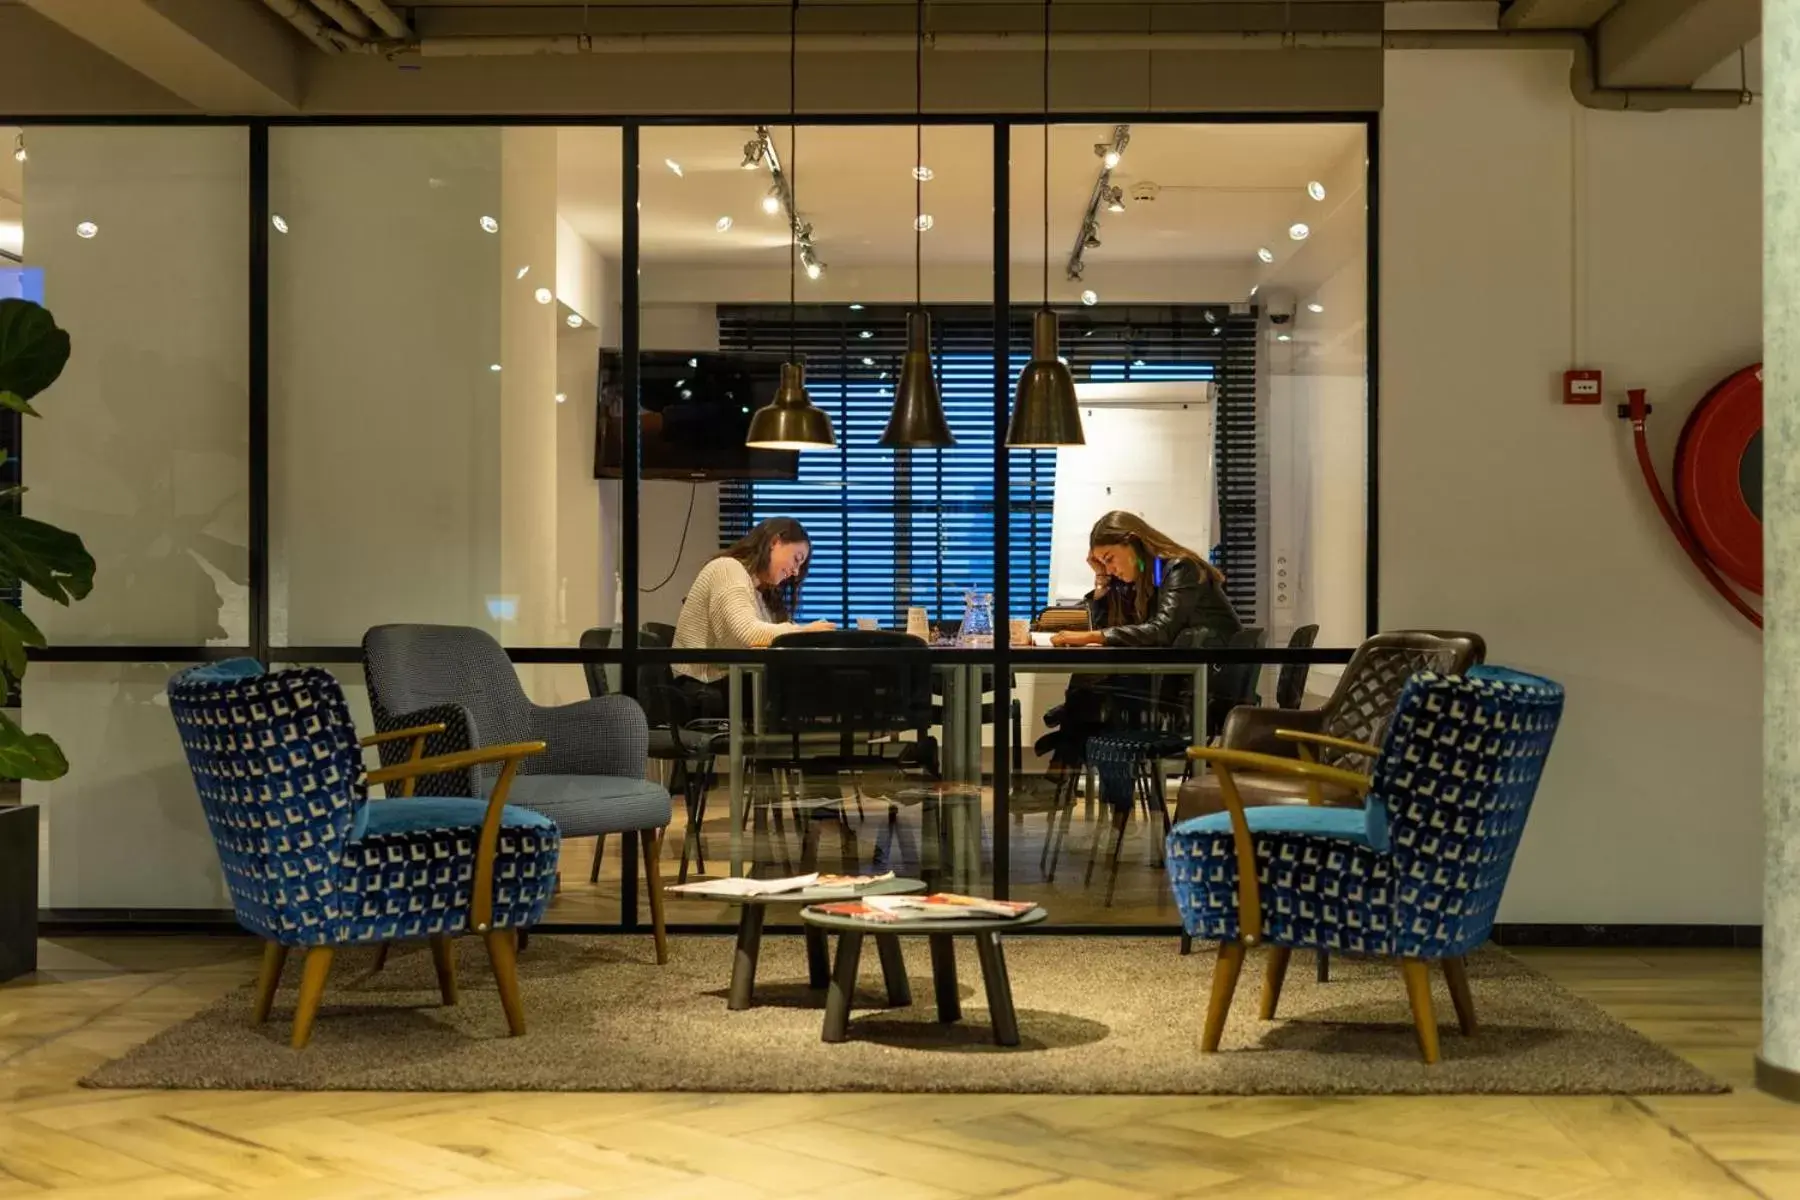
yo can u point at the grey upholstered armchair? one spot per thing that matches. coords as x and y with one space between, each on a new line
590 781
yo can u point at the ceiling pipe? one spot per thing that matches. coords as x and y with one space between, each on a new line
385 17
305 18
349 19
1583 82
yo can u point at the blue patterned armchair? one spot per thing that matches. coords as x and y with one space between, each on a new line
1414 874
311 862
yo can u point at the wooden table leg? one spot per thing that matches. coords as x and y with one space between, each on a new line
818 959
943 977
893 970
843 987
743 964
999 989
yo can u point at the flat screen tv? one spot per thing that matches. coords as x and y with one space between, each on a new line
695 412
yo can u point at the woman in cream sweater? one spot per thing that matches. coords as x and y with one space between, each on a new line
744 598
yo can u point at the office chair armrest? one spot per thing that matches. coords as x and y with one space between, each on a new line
481 903
1305 739
1257 729
607 735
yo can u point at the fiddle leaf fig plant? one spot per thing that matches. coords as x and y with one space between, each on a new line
52 562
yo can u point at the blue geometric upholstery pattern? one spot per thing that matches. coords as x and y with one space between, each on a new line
1118 756
1459 767
307 858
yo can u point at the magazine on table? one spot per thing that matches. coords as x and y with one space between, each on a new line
939 906
741 886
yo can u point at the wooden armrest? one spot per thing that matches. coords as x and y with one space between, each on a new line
437 764
393 735
1247 760
1330 743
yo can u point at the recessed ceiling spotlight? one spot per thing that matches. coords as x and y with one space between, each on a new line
1284 337
561 397
673 166
1208 317
1253 288
543 295
1090 297
493 366
1315 308
866 334
279 222
86 229
574 320
1299 231
1266 254
1316 190
19 154
771 204
867 361
490 225
922 174
523 271
856 308
923 222
723 224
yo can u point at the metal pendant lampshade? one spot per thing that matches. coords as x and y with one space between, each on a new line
918 421
790 422
1045 412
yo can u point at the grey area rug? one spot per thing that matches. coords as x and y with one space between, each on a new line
1096 1015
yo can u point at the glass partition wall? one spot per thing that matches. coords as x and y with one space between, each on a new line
502 377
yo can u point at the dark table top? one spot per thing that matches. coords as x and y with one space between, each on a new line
813 916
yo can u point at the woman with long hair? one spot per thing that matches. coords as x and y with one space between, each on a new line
1149 590
744 598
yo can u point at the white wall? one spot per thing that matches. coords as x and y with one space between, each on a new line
1521 236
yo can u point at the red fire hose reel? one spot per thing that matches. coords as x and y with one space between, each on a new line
1717 515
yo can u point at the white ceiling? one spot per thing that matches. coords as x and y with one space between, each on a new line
1224 191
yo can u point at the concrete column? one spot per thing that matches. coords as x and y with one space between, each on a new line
1778 1066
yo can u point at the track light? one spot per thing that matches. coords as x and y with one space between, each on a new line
923 222
1092 240
1110 154
1115 201
771 203
753 150
922 174
19 154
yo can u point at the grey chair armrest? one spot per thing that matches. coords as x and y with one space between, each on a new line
459 735
607 735
1253 729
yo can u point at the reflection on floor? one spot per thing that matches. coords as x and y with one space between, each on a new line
1060 850
97 998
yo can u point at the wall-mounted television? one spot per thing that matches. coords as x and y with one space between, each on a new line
696 408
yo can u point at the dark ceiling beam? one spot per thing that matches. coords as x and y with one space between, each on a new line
1672 43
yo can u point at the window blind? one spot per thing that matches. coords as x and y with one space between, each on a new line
893 529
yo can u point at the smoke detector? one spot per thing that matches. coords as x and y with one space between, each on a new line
1145 192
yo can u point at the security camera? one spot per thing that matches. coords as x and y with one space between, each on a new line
1281 305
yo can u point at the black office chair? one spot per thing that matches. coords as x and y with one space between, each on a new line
1290 685
596 639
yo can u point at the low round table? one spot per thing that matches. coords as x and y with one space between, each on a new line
752 910
986 932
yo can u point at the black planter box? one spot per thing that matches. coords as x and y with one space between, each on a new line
18 891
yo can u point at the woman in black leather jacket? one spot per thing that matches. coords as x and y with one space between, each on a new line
1149 590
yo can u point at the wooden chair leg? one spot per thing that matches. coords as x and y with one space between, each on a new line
653 843
504 955
599 849
1456 974
1417 973
443 957
1224 985
312 988
381 955
268 979
1272 981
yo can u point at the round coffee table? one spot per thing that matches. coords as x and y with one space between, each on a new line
752 910
986 932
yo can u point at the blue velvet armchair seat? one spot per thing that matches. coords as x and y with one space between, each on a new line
313 863
1415 874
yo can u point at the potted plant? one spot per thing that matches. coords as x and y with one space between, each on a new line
54 563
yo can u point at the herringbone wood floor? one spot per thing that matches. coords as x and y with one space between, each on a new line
96 998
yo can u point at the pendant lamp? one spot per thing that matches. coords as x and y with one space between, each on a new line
791 422
1045 412
918 421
